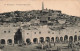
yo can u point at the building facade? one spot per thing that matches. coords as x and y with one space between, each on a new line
38 34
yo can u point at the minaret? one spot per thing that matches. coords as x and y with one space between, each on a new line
42 6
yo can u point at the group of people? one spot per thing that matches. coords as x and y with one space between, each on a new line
45 45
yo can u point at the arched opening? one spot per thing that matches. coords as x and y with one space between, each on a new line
57 39
48 39
35 40
78 38
41 39
18 37
9 41
70 38
66 38
28 41
2 41
61 39
75 38
52 39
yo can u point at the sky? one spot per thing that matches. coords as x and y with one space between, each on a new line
70 7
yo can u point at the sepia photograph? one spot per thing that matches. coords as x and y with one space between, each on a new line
39 25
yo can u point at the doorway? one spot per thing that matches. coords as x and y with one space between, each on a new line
18 37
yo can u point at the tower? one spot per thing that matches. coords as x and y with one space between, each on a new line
42 6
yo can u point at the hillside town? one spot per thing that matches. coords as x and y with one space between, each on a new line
39 27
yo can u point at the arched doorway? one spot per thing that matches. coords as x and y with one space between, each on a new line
48 39
78 38
28 41
66 38
61 39
57 39
41 39
9 41
2 41
52 39
75 38
71 38
35 40
18 37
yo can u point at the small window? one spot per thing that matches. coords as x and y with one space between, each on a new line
13 25
39 32
4 31
8 31
27 33
48 31
34 32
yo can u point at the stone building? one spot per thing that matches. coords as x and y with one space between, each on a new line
38 34
7 35
45 34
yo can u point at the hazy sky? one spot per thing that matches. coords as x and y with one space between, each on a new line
71 7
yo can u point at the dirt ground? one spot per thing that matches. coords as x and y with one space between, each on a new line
33 47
